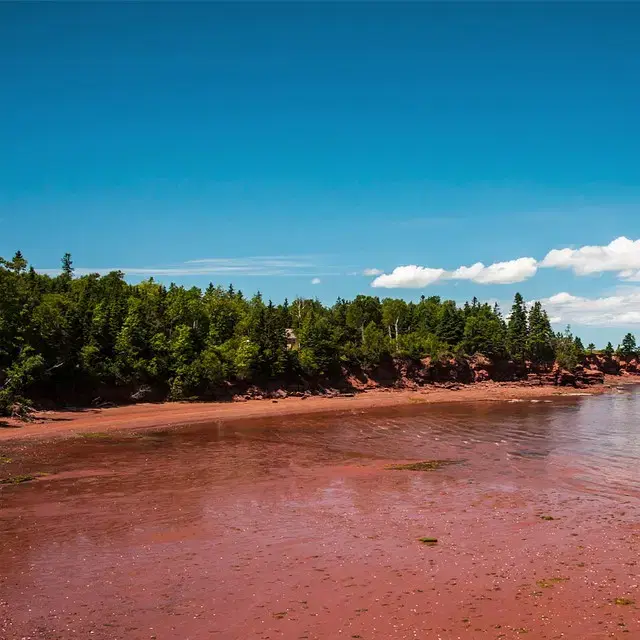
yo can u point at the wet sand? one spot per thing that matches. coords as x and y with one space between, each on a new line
270 528
172 414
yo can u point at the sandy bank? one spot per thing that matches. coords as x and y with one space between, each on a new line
147 416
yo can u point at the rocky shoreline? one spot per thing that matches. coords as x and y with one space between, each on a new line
452 373
281 405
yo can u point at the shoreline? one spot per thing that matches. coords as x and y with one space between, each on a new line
145 416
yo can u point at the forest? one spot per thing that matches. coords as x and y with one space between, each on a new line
66 338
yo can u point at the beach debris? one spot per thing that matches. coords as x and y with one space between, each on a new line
528 453
18 479
425 465
548 583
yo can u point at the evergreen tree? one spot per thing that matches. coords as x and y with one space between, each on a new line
609 350
67 266
18 264
517 330
64 338
426 315
628 347
540 335
484 333
318 354
450 328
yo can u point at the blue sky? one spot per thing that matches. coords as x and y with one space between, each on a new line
290 142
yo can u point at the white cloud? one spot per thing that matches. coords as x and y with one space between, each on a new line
468 273
621 254
562 298
372 272
499 272
316 281
630 276
227 267
409 277
414 277
256 261
611 311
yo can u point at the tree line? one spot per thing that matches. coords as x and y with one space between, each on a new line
68 335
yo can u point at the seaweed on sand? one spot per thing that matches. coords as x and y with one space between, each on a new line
425 465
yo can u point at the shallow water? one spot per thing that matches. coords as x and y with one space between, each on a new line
296 528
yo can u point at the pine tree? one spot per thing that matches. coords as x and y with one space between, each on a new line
67 266
540 338
318 353
517 330
484 333
450 327
285 314
609 350
426 315
628 347
18 264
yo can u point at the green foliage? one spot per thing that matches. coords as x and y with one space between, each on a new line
569 350
628 347
18 263
318 351
609 350
245 359
426 315
419 345
65 334
484 332
540 335
450 326
375 345
363 311
517 329
18 378
67 266
395 314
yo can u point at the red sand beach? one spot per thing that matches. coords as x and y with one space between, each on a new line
263 520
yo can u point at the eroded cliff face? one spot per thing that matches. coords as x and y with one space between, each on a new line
399 373
406 373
